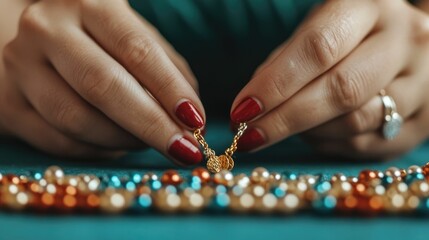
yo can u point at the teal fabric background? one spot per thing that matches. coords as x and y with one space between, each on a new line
224 41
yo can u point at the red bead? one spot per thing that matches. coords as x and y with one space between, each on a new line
171 177
367 176
202 173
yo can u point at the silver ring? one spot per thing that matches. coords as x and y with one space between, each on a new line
392 121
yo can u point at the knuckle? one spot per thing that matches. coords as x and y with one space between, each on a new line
279 84
153 131
97 85
32 19
166 86
137 50
68 116
281 124
323 45
345 90
358 121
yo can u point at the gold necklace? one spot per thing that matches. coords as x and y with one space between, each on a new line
215 163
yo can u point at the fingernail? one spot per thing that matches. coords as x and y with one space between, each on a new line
248 109
250 140
188 114
184 150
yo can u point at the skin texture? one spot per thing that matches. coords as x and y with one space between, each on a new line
90 78
324 82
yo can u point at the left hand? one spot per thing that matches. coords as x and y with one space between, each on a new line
324 82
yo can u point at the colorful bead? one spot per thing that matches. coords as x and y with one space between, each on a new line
171 177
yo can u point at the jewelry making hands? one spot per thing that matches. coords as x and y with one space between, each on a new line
324 82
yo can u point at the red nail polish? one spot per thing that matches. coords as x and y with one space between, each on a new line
246 110
188 114
250 140
185 151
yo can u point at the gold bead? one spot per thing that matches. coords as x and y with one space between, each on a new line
275 178
214 165
224 177
289 203
414 169
394 172
192 202
17 201
260 175
420 188
242 180
114 201
53 174
226 162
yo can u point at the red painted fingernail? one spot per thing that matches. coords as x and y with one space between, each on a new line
188 114
246 110
250 140
184 150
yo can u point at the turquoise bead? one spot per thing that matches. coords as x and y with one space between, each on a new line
278 192
290 176
411 177
221 201
387 180
325 204
136 178
424 206
114 181
130 186
237 190
323 187
155 184
221 189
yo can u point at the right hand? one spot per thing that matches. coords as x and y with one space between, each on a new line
87 78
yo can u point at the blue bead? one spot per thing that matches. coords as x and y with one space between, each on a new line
325 204
237 190
114 181
136 178
221 201
144 200
289 176
37 175
130 186
171 189
424 206
221 189
321 177
387 180
278 192
323 187
414 177
155 184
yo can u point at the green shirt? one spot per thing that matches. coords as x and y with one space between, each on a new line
224 40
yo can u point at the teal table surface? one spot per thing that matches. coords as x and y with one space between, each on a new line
289 155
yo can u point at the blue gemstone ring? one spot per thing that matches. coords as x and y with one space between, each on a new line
392 121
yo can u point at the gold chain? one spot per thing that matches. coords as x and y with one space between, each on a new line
222 162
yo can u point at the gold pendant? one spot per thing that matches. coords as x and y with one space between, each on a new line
215 163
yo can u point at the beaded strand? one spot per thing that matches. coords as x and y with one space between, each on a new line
372 192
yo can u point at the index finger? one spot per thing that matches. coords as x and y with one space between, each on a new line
118 30
327 37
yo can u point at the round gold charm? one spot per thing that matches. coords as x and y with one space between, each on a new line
226 162
214 165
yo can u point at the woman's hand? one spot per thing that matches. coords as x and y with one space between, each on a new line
91 78
324 82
